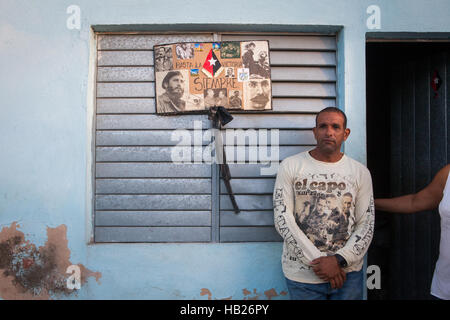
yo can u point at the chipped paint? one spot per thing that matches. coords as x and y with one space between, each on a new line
245 292
269 294
204 292
27 272
256 295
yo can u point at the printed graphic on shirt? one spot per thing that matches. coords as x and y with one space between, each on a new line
362 242
324 209
281 225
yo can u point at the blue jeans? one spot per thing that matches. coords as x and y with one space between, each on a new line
351 290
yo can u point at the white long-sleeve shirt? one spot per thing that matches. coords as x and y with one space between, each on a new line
322 208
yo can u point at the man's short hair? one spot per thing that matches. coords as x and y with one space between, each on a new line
319 198
169 75
333 109
348 194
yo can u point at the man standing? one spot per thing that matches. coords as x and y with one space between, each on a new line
247 58
325 268
235 100
311 225
338 220
171 101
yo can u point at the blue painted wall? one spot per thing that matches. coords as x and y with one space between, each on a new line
45 133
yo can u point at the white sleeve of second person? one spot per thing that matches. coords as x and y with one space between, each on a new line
283 201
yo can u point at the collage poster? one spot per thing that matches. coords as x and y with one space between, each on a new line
196 76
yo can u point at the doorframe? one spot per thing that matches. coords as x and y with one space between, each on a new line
407 36
399 37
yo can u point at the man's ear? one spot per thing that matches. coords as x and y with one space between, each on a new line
346 133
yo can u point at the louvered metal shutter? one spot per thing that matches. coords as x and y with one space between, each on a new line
141 196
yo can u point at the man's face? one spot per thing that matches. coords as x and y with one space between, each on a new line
259 92
160 53
175 87
331 203
329 132
321 205
347 203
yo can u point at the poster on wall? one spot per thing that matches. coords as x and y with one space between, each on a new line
193 77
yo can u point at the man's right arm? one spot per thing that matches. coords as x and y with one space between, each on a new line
283 201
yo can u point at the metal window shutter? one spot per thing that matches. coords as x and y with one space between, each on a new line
140 196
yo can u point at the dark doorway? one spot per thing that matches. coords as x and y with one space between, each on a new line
407 139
